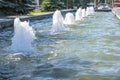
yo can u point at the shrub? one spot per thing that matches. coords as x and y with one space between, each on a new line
52 5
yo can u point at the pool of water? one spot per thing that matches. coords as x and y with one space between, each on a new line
89 51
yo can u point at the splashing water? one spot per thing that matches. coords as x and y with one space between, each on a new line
69 19
83 13
58 26
88 11
78 14
92 10
23 36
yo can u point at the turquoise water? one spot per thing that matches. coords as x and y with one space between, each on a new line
89 51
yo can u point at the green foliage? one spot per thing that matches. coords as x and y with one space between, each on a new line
76 3
52 5
16 6
36 11
84 3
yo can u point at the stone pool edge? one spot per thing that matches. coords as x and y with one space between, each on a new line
116 12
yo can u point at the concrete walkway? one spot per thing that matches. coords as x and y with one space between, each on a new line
116 12
9 20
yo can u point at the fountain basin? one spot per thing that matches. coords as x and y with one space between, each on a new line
89 51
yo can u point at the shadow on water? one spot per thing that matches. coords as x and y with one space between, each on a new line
48 70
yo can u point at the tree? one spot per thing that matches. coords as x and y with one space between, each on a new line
84 3
16 6
71 3
52 5
77 3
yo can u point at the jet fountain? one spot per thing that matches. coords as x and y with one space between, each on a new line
23 37
58 25
88 11
69 19
83 13
78 15
92 10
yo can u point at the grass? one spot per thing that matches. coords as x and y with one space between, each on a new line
36 11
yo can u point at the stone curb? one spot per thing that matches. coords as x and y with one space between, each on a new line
116 13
